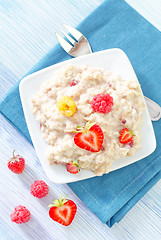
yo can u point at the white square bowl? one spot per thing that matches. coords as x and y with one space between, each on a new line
114 60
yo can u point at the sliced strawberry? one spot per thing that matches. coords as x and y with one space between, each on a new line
126 136
89 138
63 211
73 167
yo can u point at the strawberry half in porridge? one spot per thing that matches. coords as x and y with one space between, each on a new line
89 115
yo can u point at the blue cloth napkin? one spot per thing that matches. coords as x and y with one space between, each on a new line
113 24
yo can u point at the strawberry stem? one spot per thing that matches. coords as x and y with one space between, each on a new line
76 164
89 125
85 129
131 132
60 202
13 153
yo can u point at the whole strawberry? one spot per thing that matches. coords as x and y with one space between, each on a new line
16 164
63 210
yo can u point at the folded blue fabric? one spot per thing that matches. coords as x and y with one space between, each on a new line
113 24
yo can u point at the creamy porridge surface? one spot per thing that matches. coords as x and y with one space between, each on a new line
57 129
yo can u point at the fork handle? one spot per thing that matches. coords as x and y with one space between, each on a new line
80 48
154 109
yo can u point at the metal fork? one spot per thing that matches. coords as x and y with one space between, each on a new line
80 46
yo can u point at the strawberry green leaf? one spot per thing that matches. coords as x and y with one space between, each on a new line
89 125
60 202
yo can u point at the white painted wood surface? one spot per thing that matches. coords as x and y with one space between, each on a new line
27 32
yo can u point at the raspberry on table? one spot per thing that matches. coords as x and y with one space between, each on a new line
20 215
102 103
39 189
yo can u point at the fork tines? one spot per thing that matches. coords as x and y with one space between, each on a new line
75 33
78 44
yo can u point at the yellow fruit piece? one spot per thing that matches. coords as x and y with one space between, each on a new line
66 106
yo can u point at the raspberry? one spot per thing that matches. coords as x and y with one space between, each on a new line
39 189
20 215
16 164
102 103
73 83
131 144
66 106
124 121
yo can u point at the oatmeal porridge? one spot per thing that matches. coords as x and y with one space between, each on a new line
89 115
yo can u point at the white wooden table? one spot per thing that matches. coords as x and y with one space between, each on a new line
27 32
